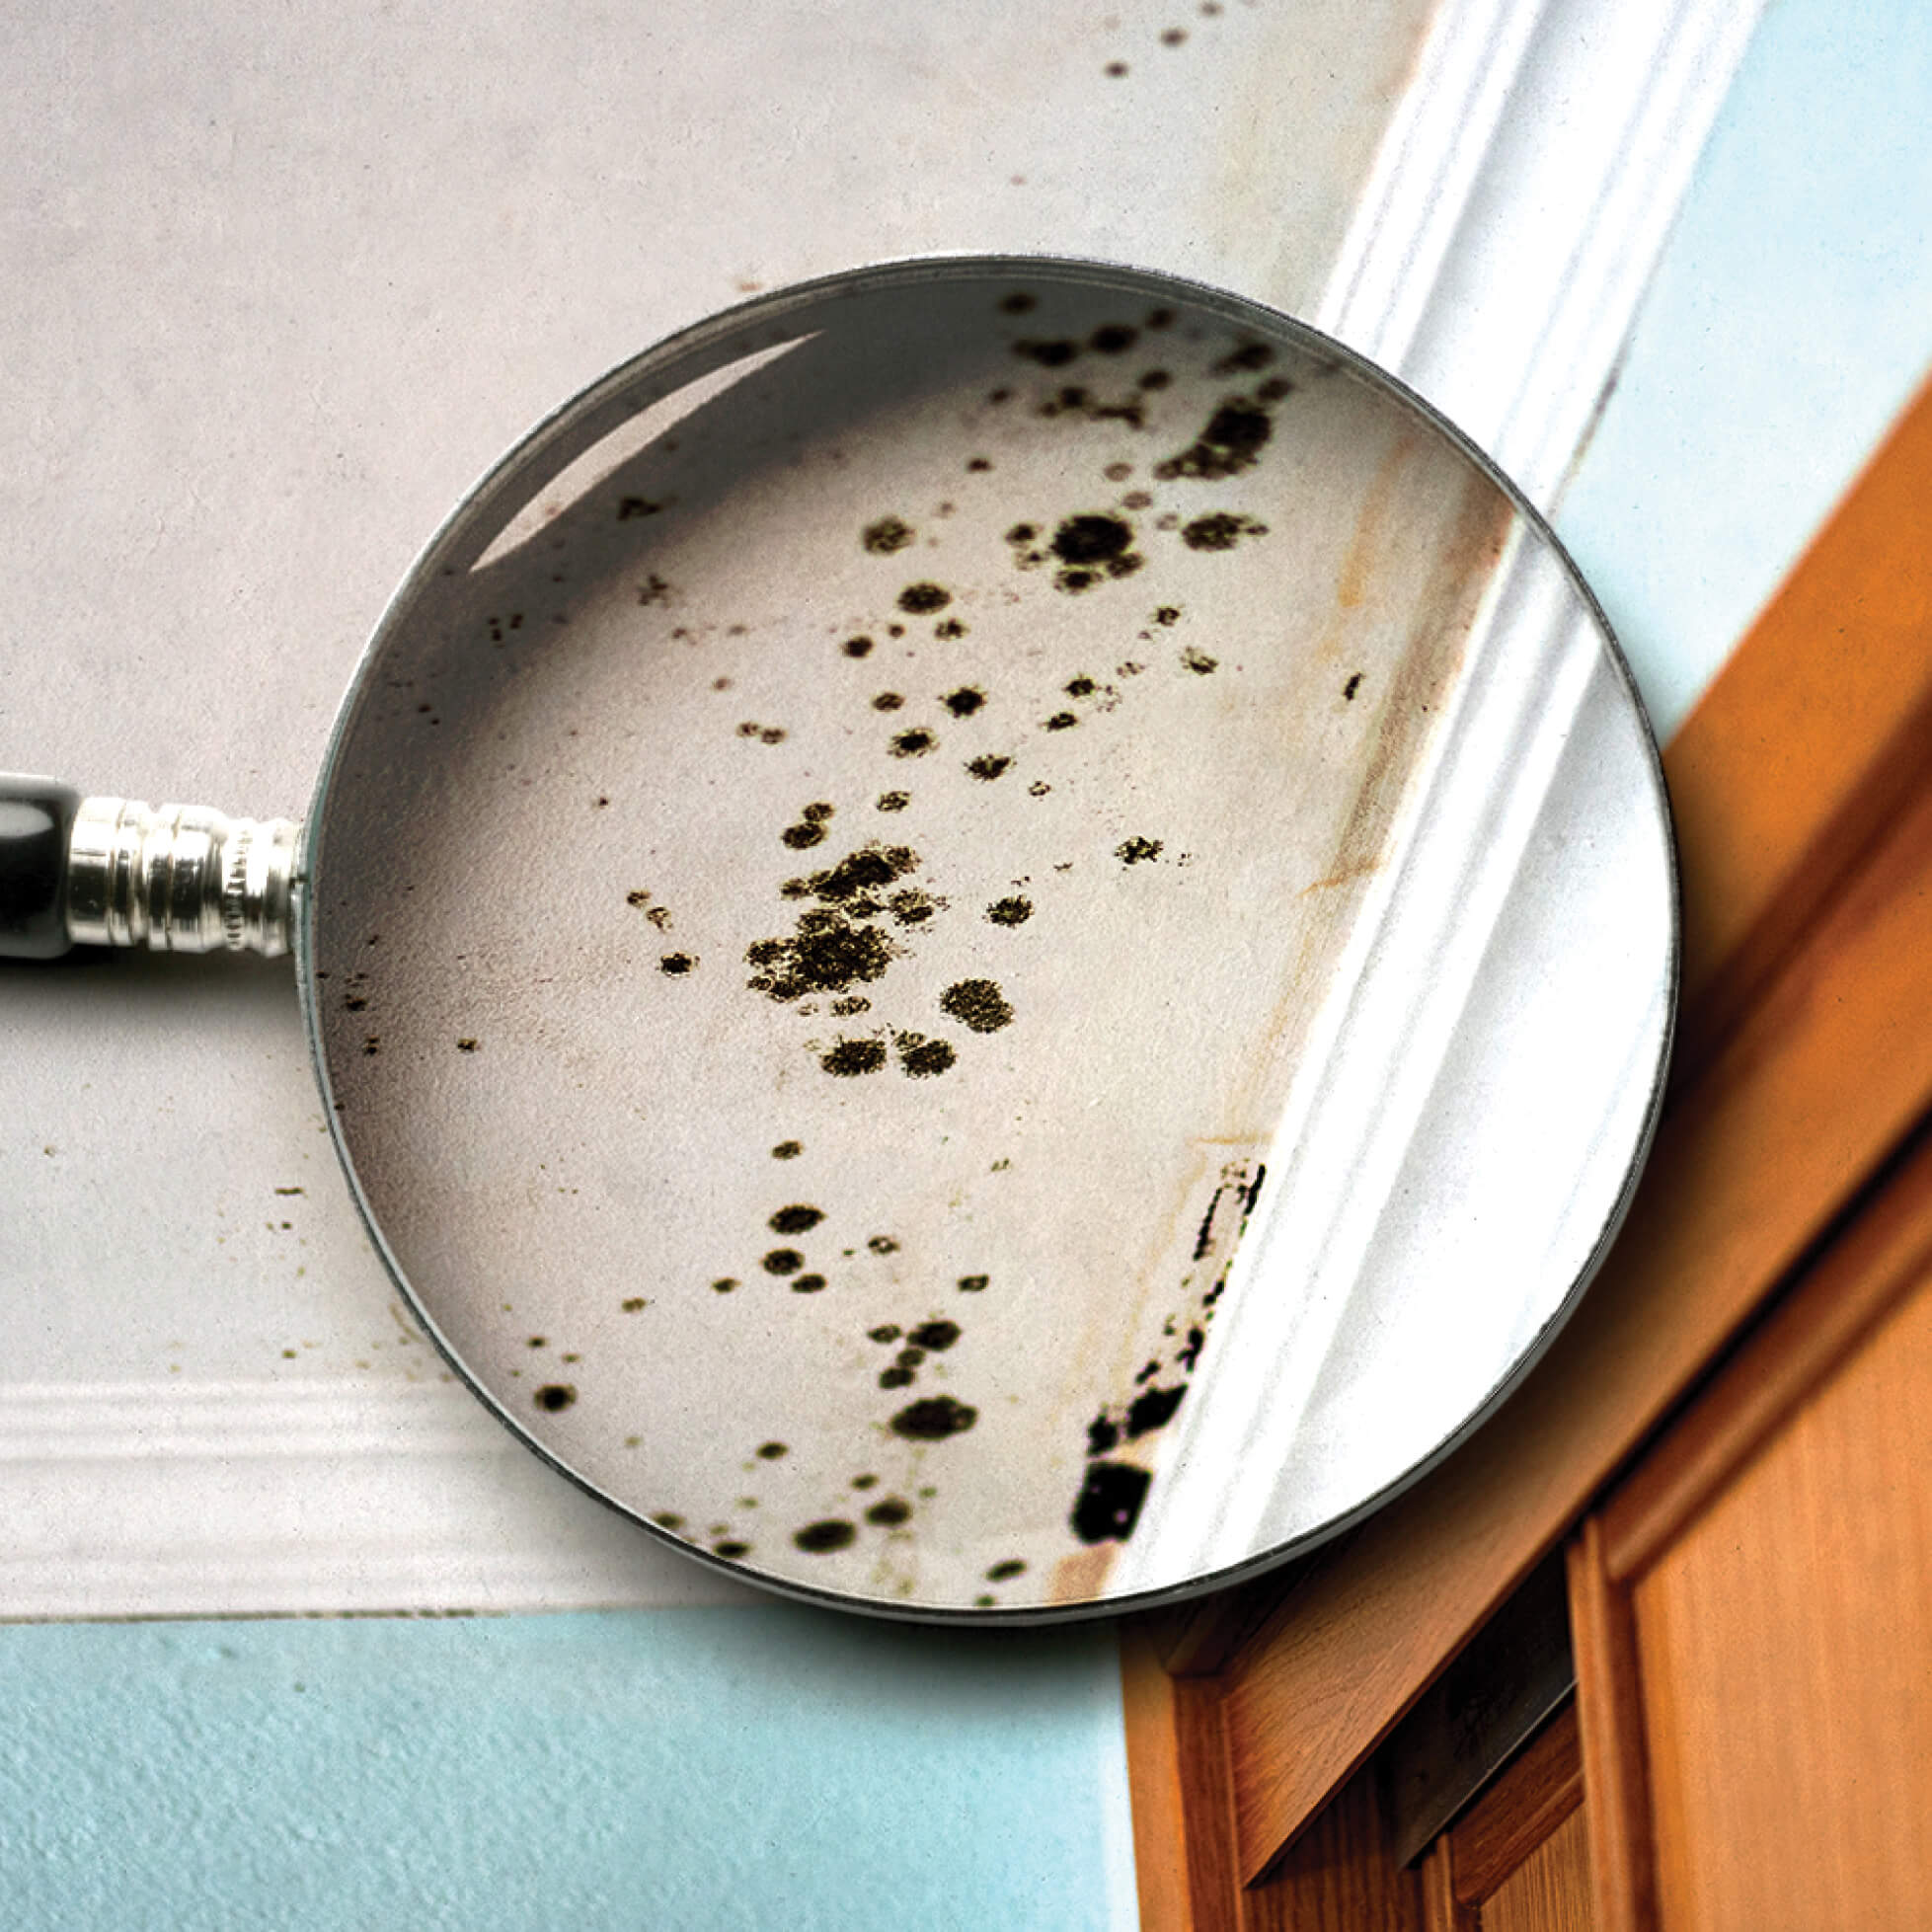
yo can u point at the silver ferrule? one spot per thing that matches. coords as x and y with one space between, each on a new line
180 879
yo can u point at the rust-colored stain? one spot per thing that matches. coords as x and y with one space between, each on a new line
1359 565
1361 869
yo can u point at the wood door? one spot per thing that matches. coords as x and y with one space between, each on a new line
1519 1860
1753 1617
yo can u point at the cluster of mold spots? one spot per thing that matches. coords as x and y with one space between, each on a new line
925 1420
855 921
1110 1499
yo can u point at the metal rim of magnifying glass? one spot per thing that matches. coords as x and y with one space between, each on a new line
575 428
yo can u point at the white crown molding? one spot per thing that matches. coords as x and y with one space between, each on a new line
264 1498
1518 204
1509 228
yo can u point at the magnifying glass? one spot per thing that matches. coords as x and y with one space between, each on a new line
993 939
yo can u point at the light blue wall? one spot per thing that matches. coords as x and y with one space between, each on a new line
718 1768
1790 321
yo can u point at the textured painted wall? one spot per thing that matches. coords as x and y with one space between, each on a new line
706 1768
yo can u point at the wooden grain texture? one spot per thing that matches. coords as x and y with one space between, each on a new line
1827 1075
1786 1645
1877 1262
1610 1725
1810 735
1340 1877
1178 1792
1533 1793
1550 1890
1442 1909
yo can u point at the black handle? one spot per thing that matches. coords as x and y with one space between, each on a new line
36 820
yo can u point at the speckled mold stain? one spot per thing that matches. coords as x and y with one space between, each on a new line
913 729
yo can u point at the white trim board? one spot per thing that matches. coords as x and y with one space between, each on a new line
261 1498
1509 228
1518 204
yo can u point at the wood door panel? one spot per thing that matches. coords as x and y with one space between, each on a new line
1786 1659
1550 1890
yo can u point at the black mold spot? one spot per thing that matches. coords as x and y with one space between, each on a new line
1198 660
892 801
1153 1408
1081 687
466 1045
890 1511
554 1396
949 627
808 1284
1220 530
1249 356
978 463
914 743
977 1004
1233 438
865 1482
771 1451
630 506
973 1284
1108 1503
914 907
1137 851
797 1219
1062 721
1017 303
783 1261
1168 614
634 1304
731 1551
964 702
856 647
800 837
787 1151
1353 685
827 954
1049 356
889 534
889 1331
1000 1571
1103 1433
820 1537
895 1378
921 1059
938 1336
676 964
844 1009
1116 70
882 1243
1173 36
854 1057
1015 911
1114 338
987 767
921 599
724 1284
887 701
934 1418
